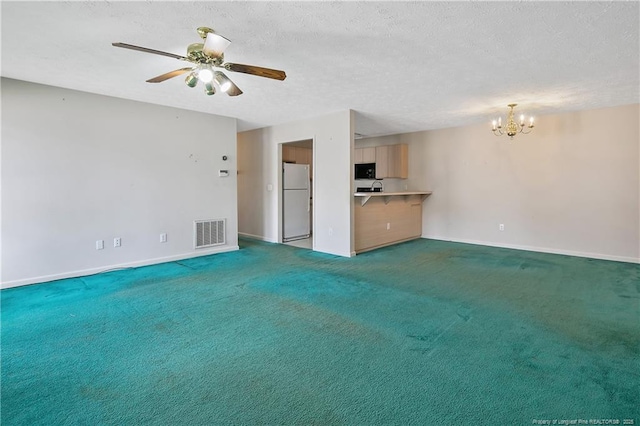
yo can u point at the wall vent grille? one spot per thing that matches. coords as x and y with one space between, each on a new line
209 233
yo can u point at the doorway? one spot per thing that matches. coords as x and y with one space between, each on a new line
297 194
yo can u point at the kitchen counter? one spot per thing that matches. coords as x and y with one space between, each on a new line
366 196
385 218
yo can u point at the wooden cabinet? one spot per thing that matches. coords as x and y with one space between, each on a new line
392 161
288 154
382 161
399 161
298 155
365 155
303 156
382 221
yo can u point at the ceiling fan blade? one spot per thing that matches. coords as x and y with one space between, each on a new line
226 85
259 71
214 45
145 49
169 75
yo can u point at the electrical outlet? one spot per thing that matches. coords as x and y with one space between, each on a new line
117 242
388 226
330 231
163 238
99 244
501 227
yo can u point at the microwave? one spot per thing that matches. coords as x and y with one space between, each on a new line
365 171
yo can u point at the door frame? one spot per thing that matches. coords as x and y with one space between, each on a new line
281 185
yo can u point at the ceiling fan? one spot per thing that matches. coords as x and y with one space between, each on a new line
208 58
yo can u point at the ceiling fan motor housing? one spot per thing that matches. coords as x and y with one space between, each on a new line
195 54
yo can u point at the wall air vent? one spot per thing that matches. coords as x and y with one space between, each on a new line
209 233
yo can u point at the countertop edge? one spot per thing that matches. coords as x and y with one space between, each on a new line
388 194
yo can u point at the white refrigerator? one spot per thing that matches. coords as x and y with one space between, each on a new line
296 199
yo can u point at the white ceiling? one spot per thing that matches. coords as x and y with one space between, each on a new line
402 66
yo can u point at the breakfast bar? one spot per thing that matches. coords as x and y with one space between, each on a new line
385 218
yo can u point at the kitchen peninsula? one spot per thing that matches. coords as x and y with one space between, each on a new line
385 218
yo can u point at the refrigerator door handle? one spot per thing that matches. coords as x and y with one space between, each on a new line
306 168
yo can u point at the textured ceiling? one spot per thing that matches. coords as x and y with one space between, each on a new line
402 66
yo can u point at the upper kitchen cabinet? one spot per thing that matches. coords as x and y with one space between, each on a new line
298 155
303 155
288 154
365 155
392 161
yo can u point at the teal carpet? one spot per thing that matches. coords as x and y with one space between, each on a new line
422 333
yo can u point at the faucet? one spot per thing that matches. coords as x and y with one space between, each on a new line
373 184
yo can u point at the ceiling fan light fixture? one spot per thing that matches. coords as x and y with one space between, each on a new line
225 86
215 44
223 83
209 89
205 74
192 79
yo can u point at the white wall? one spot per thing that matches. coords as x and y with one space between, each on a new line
78 167
571 186
259 165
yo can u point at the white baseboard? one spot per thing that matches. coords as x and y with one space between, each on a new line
256 237
93 271
538 249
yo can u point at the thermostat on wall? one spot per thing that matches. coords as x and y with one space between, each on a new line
223 173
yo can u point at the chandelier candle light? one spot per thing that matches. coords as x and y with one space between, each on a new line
512 128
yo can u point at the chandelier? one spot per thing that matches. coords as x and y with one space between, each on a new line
511 128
